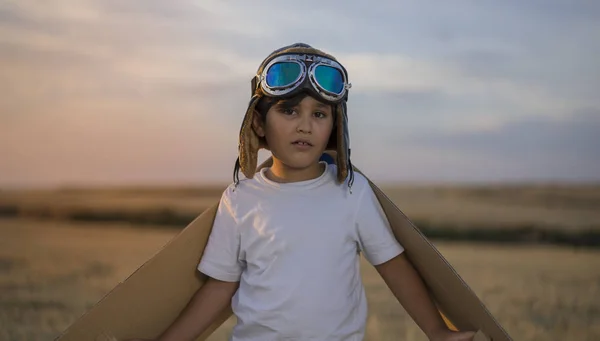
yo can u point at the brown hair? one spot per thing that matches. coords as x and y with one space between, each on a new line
266 103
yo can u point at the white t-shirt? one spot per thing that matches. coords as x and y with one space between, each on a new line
295 247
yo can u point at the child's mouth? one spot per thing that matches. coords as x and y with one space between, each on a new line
302 143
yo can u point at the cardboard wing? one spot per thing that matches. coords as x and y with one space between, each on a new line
148 301
458 304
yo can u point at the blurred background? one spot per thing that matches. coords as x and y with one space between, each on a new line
481 120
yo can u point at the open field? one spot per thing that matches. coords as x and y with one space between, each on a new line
52 271
557 214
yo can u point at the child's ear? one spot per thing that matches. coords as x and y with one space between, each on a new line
257 124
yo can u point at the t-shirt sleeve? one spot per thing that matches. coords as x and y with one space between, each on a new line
221 254
376 238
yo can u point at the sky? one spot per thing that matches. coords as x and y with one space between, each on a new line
129 92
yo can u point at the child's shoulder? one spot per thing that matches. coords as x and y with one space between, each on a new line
230 198
233 190
355 183
242 191
359 181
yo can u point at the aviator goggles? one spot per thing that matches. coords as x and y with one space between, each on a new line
290 73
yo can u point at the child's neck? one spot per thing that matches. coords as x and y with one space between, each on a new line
280 172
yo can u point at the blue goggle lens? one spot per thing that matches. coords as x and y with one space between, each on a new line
329 78
283 74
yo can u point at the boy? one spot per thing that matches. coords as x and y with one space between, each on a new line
285 245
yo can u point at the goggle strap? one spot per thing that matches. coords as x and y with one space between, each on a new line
253 84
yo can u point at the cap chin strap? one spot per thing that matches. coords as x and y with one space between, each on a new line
244 149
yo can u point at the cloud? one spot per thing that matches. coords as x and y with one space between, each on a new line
151 41
145 71
579 133
98 52
565 148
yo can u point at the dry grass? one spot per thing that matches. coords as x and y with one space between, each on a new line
570 207
97 204
51 272
525 213
61 251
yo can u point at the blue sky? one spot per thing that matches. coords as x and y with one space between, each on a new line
148 91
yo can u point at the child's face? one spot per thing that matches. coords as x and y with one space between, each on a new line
297 136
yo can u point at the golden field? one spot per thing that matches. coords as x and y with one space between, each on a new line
557 214
62 250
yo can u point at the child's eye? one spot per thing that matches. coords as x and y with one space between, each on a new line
320 115
287 111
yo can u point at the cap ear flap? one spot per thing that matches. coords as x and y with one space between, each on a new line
249 142
342 143
253 85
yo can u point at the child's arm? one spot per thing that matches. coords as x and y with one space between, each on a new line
408 287
203 308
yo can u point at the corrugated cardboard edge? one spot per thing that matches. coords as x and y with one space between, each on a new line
148 300
456 301
480 336
125 313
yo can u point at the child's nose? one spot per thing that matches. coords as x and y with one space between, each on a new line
304 124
